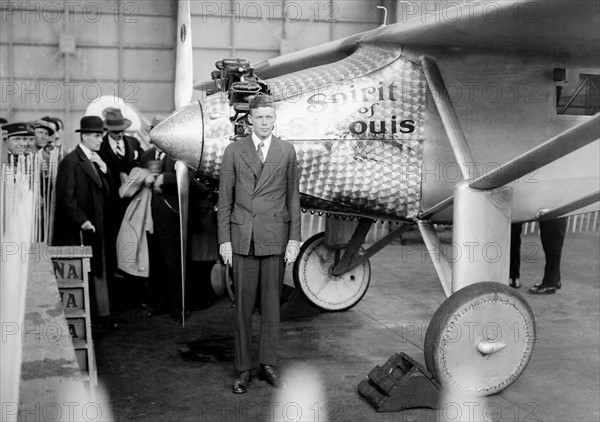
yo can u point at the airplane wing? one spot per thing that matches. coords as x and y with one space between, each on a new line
562 27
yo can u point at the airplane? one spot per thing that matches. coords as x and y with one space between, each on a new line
448 117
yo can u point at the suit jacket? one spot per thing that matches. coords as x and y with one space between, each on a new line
259 206
133 152
168 198
82 194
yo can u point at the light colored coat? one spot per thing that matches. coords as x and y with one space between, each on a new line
132 244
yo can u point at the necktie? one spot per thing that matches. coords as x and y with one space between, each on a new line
120 149
259 151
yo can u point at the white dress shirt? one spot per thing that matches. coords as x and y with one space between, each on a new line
265 148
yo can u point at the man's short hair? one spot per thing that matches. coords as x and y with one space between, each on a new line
261 100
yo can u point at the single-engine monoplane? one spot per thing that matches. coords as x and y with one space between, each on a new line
449 117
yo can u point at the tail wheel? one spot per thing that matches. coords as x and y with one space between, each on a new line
481 339
312 276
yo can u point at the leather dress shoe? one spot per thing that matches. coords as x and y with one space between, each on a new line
540 289
269 374
515 283
242 382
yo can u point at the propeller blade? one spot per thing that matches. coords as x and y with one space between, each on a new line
184 67
183 192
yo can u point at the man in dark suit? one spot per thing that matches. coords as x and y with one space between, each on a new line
258 222
165 242
121 153
82 204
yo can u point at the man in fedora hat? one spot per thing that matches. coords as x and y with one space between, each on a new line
82 204
121 154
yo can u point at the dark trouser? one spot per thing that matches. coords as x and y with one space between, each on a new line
552 234
168 246
199 291
515 250
248 273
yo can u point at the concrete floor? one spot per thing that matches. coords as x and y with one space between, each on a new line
156 371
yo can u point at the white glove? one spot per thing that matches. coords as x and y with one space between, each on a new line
291 251
87 225
226 253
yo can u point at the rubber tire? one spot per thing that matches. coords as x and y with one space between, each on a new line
308 247
471 299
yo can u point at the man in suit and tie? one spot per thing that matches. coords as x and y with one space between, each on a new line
259 230
121 154
82 204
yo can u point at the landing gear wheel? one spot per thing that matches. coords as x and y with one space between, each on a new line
312 276
481 339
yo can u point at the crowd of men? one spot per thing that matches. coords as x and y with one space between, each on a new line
39 138
89 208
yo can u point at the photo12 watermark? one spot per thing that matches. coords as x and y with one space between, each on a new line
55 92
22 12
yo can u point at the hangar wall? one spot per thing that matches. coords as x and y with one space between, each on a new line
58 56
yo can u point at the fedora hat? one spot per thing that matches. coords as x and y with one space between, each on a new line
155 121
114 120
222 281
14 129
44 125
91 124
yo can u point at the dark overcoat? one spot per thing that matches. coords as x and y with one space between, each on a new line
82 194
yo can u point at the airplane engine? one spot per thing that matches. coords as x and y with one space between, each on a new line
357 126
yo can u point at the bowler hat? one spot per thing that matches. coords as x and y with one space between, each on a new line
91 124
114 120
44 124
14 129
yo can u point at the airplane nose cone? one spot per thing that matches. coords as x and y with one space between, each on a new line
180 135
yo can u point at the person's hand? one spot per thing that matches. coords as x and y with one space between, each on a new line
158 182
88 226
226 253
291 251
149 180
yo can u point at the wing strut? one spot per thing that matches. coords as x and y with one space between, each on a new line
573 206
458 141
551 150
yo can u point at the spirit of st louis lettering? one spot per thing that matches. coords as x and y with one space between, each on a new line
382 97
